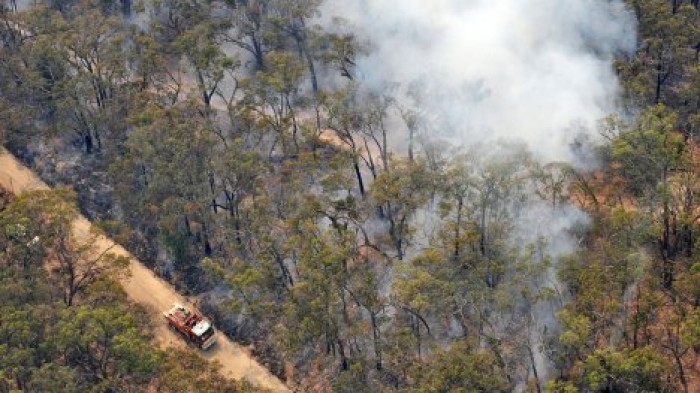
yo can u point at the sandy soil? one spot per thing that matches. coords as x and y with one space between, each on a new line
146 288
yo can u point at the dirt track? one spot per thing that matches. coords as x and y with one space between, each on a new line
146 288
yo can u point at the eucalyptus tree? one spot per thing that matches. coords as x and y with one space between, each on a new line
400 193
659 164
271 103
669 43
173 202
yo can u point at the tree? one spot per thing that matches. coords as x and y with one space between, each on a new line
344 120
341 52
101 344
463 369
81 262
669 37
292 17
176 198
250 33
181 370
271 101
80 256
400 193
651 155
424 290
498 184
551 182
111 348
636 370
52 377
691 330
237 174
23 331
201 48
89 97
316 306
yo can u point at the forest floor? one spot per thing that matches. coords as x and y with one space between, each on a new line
144 287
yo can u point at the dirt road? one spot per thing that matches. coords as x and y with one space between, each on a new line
146 288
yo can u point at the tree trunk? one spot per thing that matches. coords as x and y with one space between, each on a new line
259 56
410 143
360 183
377 338
70 291
681 372
396 236
343 358
659 81
457 243
534 368
482 230
126 7
312 69
666 249
207 244
87 141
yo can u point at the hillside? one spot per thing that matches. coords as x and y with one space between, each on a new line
394 195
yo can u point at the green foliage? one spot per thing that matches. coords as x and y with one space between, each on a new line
462 370
668 34
651 150
99 343
401 192
52 377
561 387
181 370
691 330
637 370
110 342
355 264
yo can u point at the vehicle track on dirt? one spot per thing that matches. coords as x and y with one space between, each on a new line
145 288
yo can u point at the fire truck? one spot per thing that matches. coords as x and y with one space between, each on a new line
192 325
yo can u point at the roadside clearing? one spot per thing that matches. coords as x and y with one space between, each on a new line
144 287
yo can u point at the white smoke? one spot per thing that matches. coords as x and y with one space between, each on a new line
528 70
537 72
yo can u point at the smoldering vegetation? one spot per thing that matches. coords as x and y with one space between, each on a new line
379 195
481 76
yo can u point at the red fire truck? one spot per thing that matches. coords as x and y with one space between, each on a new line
192 325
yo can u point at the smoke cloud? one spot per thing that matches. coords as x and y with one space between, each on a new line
535 71
478 72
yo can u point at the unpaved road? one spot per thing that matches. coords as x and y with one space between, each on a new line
144 287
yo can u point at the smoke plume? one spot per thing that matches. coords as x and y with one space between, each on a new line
537 71
478 72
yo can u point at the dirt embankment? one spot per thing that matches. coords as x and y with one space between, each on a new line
144 287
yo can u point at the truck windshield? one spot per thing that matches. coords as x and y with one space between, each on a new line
207 333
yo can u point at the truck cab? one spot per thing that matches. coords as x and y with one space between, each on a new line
192 325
